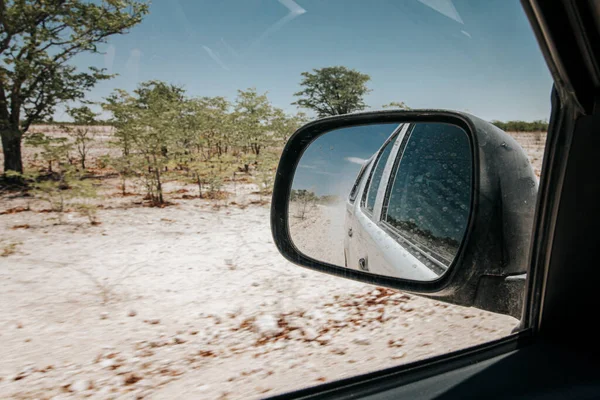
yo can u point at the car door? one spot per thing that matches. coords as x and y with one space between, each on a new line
361 218
383 251
352 207
372 248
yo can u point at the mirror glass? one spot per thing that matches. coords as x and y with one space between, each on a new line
387 199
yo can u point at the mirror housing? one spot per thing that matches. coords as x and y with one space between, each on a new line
490 268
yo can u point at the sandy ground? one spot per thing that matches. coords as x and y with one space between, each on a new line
533 143
193 301
319 233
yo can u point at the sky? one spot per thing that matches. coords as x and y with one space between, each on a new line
468 55
330 165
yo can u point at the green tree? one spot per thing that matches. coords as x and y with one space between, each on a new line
210 173
333 91
123 108
253 113
123 166
53 150
303 202
283 126
522 126
149 125
82 133
38 39
212 127
70 189
397 104
266 167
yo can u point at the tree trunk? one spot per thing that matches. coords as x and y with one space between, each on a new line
199 185
123 183
234 185
159 187
11 145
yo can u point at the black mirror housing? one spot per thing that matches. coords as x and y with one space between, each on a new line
489 269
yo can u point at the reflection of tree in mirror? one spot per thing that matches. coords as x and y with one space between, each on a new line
329 199
303 201
400 105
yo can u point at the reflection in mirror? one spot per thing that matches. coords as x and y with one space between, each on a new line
387 199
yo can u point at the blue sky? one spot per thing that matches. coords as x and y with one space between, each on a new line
469 55
330 165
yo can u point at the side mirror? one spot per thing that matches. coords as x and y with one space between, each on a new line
431 202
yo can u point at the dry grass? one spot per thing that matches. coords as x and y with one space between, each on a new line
9 249
216 195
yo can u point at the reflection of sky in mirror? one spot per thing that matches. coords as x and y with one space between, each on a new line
330 165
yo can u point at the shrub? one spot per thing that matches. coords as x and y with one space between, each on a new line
69 189
82 133
305 201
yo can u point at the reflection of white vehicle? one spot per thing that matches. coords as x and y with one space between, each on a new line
409 207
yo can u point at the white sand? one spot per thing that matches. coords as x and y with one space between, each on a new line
194 302
232 317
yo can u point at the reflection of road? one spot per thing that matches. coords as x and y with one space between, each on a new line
320 235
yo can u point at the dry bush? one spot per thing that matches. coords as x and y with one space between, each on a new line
216 195
88 210
83 133
106 288
9 249
303 201
266 167
68 190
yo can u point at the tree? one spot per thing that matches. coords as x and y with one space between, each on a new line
83 133
522 126
38 38
211 125
283 126
52 149
148 127
305 201
211 173
253 113
397 104
333 91
123 108
69 188
266 167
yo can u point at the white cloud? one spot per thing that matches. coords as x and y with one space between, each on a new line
356 160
